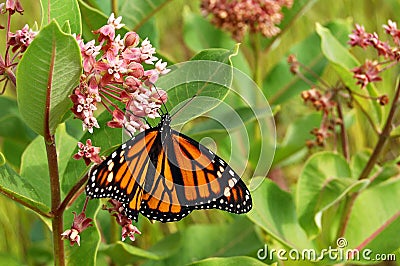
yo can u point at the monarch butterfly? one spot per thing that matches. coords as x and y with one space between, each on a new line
165 175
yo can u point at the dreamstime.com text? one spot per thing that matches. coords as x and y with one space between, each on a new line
339 253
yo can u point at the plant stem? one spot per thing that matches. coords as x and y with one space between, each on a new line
383 136
255 44
57 223
73 193
114 7
11 196
343 135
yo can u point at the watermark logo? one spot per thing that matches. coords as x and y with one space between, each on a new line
339 253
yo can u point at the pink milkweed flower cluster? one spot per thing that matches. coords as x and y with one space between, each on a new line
80 223
16 43
113 71
236 16
117 210
371 69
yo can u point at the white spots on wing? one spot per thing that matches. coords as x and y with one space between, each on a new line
231 172
219 174
121 154
110 166
221 169
231 183
121 159
123 146
227 192
113 154
110 176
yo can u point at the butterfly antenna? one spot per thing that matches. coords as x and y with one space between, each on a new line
184 105
154 85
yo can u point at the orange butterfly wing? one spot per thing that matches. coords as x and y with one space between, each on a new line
164 175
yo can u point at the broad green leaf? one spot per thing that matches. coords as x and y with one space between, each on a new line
19 187
375 220
231 261
46 75
92 19
231 119
343 62
317 188
280 84
106 138
62 11
86 253
15 133
137 12
295 138
192 243
225 240
34 165
208 76
274 211
12 126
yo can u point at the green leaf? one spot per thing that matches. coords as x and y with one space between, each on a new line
378 211
207 76
274 211
137 12
395 133
62 11
325 179
204 241
280 84
343 61
12 126
104 137
295 138
46 75
15 133
232 261
17 187
232 119
34 165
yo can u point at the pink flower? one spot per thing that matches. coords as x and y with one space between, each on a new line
14 6
88 152
129 230
369 72
117 210
21 38
391 28
114 75
79 224
359 37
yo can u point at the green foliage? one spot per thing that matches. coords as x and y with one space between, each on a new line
47 73
309 199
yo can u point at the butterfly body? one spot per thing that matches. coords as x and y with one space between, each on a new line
165 175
